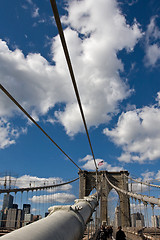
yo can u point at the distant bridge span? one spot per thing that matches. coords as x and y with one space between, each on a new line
15 190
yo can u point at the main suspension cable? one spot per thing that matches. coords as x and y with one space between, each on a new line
144 183
27 114
15 190
59 26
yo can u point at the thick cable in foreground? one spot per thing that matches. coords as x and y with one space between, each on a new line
27 114
59 26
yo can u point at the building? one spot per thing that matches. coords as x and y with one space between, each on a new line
11 221
27 208
1 218
155 221
5 211
15 206
7 201
28 218
137 220
36 217
117 216
20 218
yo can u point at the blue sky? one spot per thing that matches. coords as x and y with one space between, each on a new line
115 52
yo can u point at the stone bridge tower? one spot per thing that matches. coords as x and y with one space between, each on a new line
119 179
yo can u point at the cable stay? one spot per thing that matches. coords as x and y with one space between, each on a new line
144 198
15 190
63 41
144 183
29 116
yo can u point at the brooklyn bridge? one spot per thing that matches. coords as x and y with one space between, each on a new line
136 209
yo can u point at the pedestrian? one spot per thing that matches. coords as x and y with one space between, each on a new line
101 234
120 235
110 231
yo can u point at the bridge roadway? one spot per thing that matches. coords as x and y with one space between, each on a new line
132 233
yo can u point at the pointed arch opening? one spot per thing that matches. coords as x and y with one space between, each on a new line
113 206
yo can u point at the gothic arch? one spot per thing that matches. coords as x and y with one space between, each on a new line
119 179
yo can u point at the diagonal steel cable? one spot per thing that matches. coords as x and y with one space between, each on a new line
27 114
59 26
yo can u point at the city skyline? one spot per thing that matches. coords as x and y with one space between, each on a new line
12 216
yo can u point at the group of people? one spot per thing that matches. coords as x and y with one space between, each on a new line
106 233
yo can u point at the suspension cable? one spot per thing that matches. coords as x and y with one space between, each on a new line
144 183
15 190
143 198
59 26
27 114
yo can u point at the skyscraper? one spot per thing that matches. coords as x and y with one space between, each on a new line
26 208
11 218
7 201
117 216
20 218
155 221
137 219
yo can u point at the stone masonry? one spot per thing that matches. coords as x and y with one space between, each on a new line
88 183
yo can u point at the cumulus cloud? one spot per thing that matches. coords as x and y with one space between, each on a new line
90 165
148 175
93 46
137 187
152 43
138 133
137 207
8 133
57 197
158 175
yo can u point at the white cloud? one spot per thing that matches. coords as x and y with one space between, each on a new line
29 1
152 44
141 186
35 210
158 98
138 133
35 12
39 86
147 176
137 187
8 133
152 54
157 176
90 165
131 2
136 207
57 197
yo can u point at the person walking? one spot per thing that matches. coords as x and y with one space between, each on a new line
101 234
120 235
